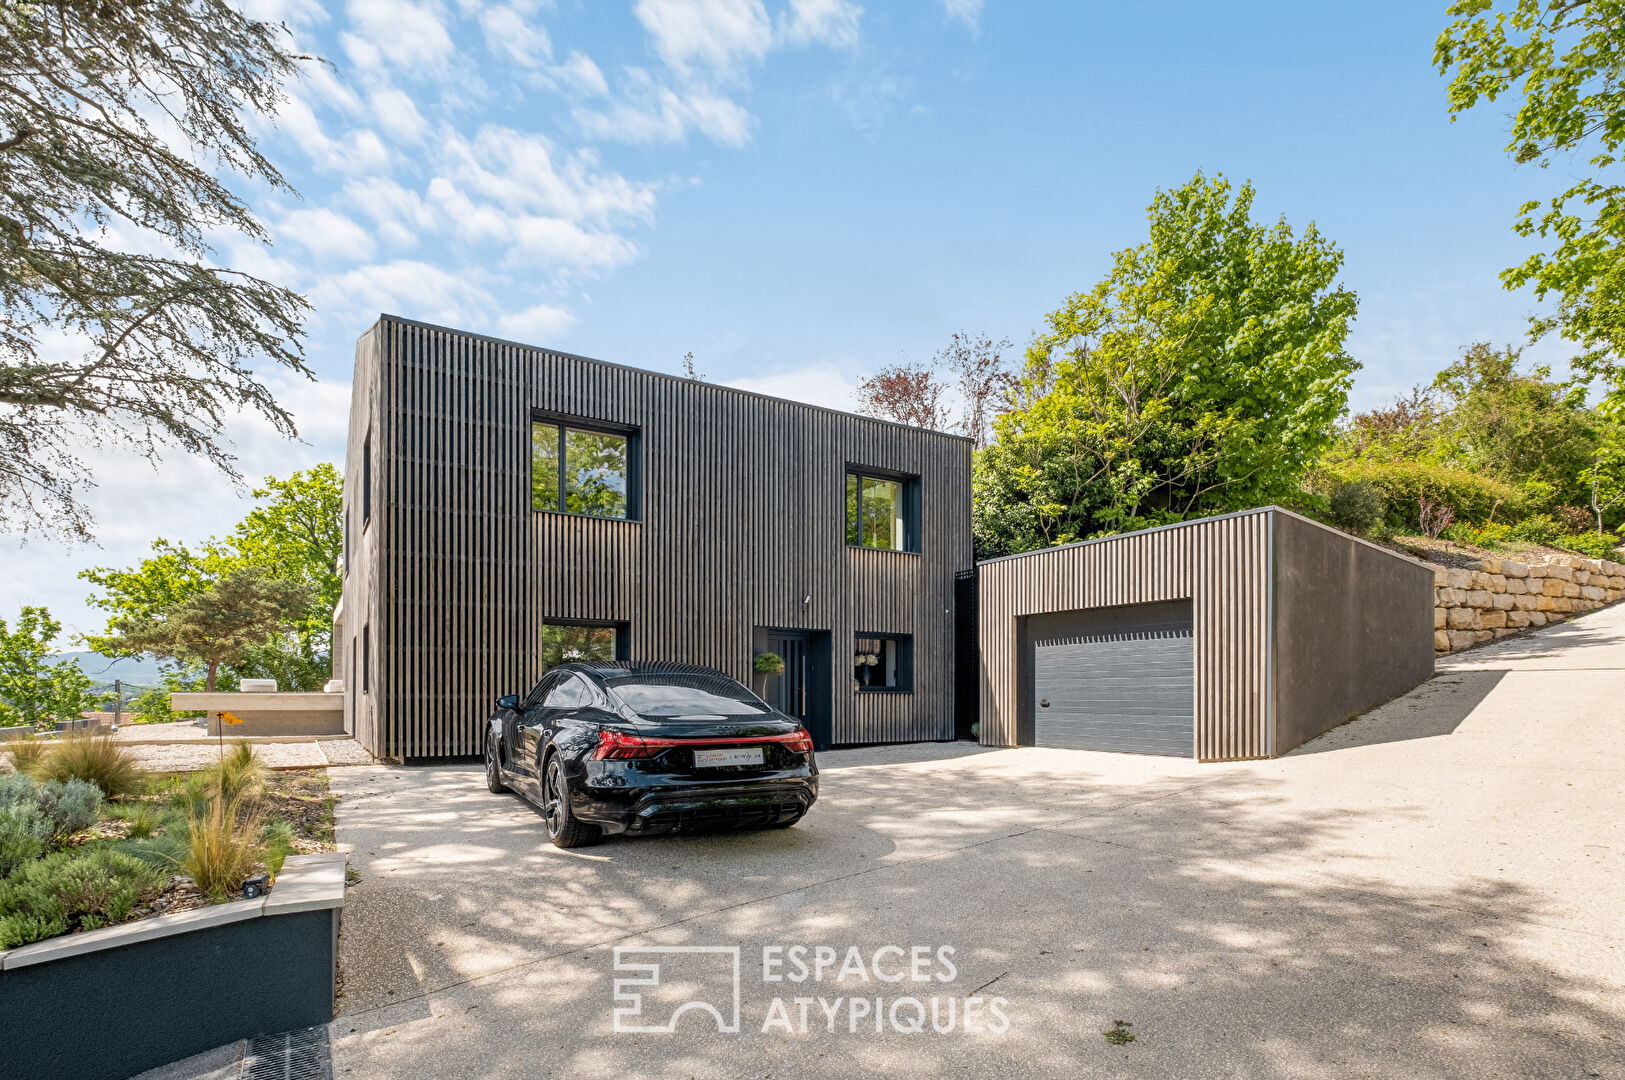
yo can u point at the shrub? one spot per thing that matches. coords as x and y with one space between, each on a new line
69 806
25 756
142 819
94 758
222 849
1356 507
1538 529
1574 519
23 834
1490 535
239 772
1404 484
1591 544
66 891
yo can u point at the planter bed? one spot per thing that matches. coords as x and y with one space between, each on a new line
114 1002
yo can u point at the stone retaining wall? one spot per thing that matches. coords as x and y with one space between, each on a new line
1497 597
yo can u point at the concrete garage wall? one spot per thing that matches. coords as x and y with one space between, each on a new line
1353 628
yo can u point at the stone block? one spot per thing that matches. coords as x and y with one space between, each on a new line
1514 569
1481 580
1514 618
1491 565
1461 639
1462 618
1441 641
1503 632
1482 636
1438 618
1559 571
1546 603
1537 570
1492 620
1537 618
1479 598
1441 575
1517 586
1526 603
1552 587
1571 590
1460 579
1503 601
1591 592
1498 584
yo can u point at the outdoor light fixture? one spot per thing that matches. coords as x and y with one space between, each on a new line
805 600
256 886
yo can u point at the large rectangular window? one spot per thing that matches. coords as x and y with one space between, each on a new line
577 470
883 662
564 642
881 512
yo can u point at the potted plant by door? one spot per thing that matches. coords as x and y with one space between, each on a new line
766 664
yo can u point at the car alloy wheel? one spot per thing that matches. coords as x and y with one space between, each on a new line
554 808
493 771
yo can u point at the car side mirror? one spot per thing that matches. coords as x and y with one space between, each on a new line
508 701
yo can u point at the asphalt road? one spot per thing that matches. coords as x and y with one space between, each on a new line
1431 891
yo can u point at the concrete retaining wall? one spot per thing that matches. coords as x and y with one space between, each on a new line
1494 598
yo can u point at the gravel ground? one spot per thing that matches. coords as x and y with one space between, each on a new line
303 755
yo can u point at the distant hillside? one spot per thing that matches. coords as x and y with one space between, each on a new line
136 671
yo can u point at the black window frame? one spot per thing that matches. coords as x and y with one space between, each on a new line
366 480
366 658
565 423
905 661
911 507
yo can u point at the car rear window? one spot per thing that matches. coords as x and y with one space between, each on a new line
685 695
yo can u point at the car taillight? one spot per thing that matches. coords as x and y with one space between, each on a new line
799 743
622 745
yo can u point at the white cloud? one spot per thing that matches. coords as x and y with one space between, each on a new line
412 288
397 115
580 74
721 35
968 12
867 100
825 22
327 234
538 325
399 213
525 171
510 32
292 12
817 384
649 112
408 35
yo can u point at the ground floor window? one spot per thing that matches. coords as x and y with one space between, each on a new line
883 662
564 642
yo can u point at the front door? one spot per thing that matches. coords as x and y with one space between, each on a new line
803 689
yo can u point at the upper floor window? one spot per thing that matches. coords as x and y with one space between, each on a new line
578 470
366 480
882 511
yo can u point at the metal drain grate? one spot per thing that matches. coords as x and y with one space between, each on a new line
292 1055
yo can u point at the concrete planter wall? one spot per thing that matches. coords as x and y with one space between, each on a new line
12 734
112 1003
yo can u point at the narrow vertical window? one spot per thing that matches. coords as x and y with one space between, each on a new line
544 467
366 659
366 480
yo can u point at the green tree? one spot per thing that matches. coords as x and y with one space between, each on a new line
1604 475
33 690
1563 63
295 535
117 122
1518 426
245 610
1205 373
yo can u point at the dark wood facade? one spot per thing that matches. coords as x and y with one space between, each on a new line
741 525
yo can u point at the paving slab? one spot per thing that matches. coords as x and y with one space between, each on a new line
1431 891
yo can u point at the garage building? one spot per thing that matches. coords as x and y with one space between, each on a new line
1231 637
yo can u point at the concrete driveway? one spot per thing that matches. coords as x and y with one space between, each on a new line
1431 891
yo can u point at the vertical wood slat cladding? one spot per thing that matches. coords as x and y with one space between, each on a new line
1220 564
742 519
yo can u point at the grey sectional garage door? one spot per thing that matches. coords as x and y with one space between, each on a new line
1114 679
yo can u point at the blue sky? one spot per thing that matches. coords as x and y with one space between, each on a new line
798 191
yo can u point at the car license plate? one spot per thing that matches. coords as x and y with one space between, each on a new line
711 758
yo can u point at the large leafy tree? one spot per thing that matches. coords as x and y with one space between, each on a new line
117 121
245 610
294 535
33 688
1563 64
1203 374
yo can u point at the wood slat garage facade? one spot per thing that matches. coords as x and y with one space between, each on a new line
1293 628
450 574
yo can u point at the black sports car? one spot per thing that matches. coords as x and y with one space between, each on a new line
616 746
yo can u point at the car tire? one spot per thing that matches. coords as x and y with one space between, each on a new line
493 769
563 827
